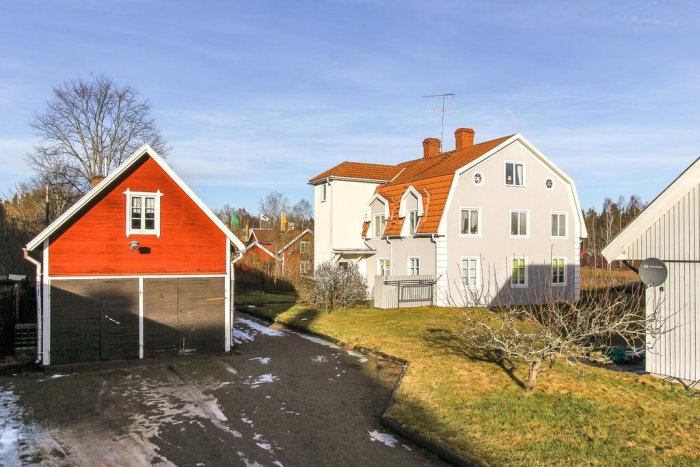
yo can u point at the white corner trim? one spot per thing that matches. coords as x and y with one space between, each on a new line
140 317
228 319
46 311
104 184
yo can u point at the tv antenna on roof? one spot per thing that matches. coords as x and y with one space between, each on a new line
442 110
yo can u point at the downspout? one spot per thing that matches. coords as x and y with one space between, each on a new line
37 288
238 257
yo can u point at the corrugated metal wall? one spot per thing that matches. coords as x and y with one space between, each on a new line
674 238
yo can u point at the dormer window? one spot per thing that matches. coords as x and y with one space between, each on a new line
379 224
143 213
515 174
412 221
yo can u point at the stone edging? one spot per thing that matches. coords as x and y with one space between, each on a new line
386 421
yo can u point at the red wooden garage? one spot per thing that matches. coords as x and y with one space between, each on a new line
138 267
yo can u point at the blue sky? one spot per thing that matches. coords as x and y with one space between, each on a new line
257 96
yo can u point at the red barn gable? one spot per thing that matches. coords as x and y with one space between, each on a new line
143 240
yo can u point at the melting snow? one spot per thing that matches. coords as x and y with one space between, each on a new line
266 378
318 340
56 376
263 360
385 438
260 328
319 359
357 355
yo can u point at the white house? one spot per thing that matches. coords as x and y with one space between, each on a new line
497 217
669 229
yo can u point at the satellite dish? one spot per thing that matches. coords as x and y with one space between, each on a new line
652 272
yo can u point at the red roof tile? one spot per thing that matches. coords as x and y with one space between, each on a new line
361 170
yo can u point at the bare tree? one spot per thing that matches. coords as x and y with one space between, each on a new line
574 330
89 128
272 206
302 213
334 286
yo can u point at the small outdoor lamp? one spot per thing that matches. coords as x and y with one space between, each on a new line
133 245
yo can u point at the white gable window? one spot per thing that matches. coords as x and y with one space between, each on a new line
515 174
384 267
558 225
379 224
303 247
470 222
470 271
558 271
414 266
412 221
324 192
142 213
518 276
519 223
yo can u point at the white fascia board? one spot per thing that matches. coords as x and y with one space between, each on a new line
665 200
256 244
379 197
402 206
100 187
295 239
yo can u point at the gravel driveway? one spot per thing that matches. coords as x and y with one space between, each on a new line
282 399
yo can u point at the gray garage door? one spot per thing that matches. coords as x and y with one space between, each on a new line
183 315
95 319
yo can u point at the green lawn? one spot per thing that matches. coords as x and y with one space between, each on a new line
477 408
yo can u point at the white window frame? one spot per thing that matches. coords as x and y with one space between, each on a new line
477 278
483 178
374 225
551 274
526 273
379 267
304 246
527 223
409 265
143 195
303 269
566 223
478 226
412 228
505 176
553 183
324 192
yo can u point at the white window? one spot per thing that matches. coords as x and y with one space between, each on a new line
384 267
379 224
559 224
471 271
324 189
414 266
558 271
142 213
549 183
478 178
470 222
304 267
412 221
518 277
515 174
304 246
519 223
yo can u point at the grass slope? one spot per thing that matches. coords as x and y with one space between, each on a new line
475 407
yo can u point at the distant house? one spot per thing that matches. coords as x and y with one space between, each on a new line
137 267
669 230
491 222
283 253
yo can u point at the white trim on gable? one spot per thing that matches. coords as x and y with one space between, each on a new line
265 250
295 239
104 184
383 200
654 210
402 206
581 225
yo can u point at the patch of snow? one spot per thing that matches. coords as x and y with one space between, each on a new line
266 378
407 448
56 376
319 359
228 367
358 355
260 328
241 336
385 438
317 340
247 421
262 360
278 464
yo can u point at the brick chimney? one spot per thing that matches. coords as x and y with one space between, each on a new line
464 137
431 146
97 179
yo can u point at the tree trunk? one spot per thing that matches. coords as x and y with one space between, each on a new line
532 375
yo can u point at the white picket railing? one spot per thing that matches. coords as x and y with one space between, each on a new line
404 291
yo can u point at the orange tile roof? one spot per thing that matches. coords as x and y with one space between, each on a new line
275 239
378 172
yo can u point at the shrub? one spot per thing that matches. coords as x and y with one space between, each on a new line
344 287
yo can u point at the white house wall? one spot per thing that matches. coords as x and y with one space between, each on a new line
674 238
495 246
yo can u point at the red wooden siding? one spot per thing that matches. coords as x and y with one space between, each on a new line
94 243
